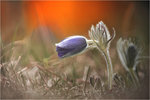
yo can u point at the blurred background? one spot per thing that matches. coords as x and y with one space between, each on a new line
30 29
65 18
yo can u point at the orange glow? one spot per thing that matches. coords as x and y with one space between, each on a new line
64 18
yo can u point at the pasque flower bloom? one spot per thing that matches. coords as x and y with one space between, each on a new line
129 53
101 36
71 46
102 39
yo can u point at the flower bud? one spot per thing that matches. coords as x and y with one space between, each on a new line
71 46
128 52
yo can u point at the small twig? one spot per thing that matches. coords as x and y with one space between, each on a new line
17 62
85 76
24 69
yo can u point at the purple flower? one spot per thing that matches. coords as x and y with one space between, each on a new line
71 46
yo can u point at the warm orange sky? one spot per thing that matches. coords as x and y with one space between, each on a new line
67 18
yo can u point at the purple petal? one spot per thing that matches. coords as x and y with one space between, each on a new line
70 46
72 42
62 51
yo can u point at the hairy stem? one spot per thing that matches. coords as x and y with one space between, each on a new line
134 78
109 68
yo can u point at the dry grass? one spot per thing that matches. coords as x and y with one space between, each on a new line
31 69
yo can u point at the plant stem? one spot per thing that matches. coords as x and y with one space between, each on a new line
134 78
109 67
